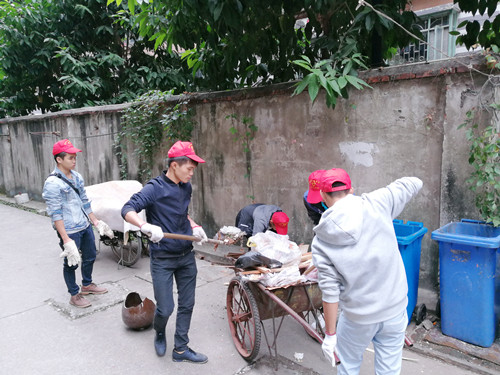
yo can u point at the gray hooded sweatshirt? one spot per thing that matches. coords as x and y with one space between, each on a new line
356 253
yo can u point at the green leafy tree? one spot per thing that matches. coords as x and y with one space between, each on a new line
243 43
484 141
67 54
487 34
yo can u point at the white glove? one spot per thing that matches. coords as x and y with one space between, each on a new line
154 232
71 253
104 229
200 233
328 347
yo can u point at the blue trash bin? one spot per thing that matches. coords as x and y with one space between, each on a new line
468 278
409 238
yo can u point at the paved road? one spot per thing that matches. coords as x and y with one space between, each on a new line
40 333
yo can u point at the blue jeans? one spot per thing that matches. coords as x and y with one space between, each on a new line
388 339
163 271
85 242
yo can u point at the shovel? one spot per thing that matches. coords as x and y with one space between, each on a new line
187 237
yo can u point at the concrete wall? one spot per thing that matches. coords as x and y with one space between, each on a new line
26 147
406 125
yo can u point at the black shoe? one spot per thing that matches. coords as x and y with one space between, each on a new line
189 355
160 344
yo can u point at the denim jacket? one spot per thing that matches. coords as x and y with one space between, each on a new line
63 203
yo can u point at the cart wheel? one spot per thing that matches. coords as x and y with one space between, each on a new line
131 251
420 313
316 319
243 317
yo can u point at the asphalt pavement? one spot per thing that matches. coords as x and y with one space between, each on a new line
41 333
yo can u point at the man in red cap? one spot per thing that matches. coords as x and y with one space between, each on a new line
71 214
166 200
312 198
258 217
361 270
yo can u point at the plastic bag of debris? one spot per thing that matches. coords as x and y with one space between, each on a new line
276 246
286 277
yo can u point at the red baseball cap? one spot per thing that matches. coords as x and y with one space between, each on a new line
313 195
335 175
280 220
184 149
64 146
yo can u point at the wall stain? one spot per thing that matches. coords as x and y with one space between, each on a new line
454 196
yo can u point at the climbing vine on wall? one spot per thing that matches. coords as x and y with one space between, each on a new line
150 120
484 157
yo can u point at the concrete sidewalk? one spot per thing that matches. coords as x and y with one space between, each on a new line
40 333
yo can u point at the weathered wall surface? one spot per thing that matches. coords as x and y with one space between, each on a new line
406 125
26 147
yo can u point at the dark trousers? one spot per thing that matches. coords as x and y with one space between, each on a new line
85 242
163 272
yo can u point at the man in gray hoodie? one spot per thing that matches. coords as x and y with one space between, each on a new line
361 271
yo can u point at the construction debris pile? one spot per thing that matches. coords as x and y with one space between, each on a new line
275 261
229 232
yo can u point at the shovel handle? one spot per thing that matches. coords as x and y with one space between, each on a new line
187 237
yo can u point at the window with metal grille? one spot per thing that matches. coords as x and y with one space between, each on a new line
435 29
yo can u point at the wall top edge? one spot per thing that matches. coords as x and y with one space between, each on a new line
458 64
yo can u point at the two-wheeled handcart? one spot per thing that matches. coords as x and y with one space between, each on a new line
250 303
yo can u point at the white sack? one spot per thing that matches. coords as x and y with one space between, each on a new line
107 200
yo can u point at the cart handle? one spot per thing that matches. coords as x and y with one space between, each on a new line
296 316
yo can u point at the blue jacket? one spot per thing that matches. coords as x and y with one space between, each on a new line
63 203
166 204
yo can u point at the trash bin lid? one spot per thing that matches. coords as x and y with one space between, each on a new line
466 233
409 232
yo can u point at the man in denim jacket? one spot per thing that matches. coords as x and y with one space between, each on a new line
71 214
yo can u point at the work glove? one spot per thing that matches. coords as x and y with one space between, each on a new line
154 232
104 229
200 233
71 253
328 347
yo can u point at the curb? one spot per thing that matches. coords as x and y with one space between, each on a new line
36 207
423 344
